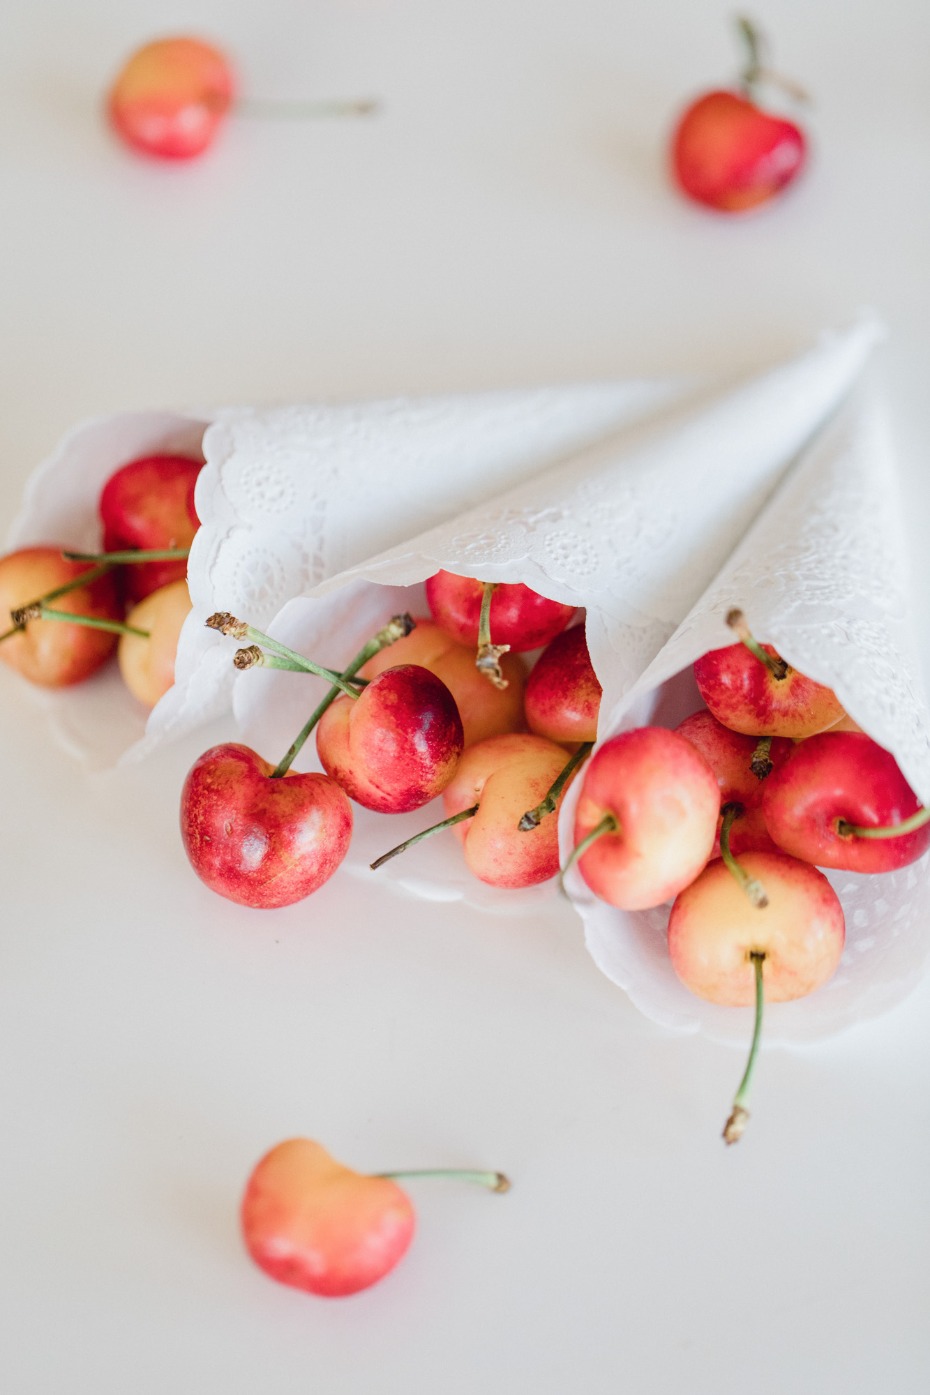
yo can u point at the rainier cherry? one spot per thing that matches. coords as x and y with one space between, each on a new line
172 96
727 152
750 688
495 617
147 663
741 765
317 1225
563 694
731 950
646 818
396 745
841 801
56 653
146 504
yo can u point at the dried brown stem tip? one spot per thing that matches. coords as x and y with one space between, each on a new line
487 662
502 1184
227 624
735 1126
26 612
248 658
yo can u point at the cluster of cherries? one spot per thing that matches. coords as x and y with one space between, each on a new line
172 97
70 611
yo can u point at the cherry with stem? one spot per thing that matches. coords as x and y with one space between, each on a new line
487 660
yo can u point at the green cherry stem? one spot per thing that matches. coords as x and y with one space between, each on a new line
238 629
93 622
735 1126
130 555
608 824
534 817
494 1181
396 628
301 110
737 623
487 660
76 582
425 833
752 66
916 820
751 885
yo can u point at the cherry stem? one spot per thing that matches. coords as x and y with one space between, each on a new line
752 43
131 555
487 660
916 820
608 824
751 885
238 629
760 762
735 1126
74 584
534 817
397 628
494 1181
776 666
300 109
425 833
92 622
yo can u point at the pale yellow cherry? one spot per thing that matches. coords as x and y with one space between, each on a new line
147 663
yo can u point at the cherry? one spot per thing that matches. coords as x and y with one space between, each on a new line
146 663
145 504
727 152
741 765
495 617
317 1225
45 650
563 694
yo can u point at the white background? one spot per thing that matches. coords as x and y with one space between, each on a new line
505 221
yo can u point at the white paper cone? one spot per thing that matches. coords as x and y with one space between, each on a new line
822 576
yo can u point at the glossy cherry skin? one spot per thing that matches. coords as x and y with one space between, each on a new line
563 694
396 746
842 776
505 776
171 98
146 504
730 155
520 616
713 930
317 1225
665 799
729 755
744 694
53 653
485 710
258 840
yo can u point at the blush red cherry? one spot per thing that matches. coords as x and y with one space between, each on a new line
520 618
728 153
54 653
317 1225
147 505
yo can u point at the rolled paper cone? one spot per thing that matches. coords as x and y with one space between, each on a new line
632 493
822 575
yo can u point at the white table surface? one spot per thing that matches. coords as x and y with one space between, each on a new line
505 221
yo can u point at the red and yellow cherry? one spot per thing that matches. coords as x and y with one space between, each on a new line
646 817
731 155
395 746
563 694
260 839
751 689
520 618
146 505
485 710
54 653
317 1225
841 801
171 98
498 780
147 665
741 765
729 950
